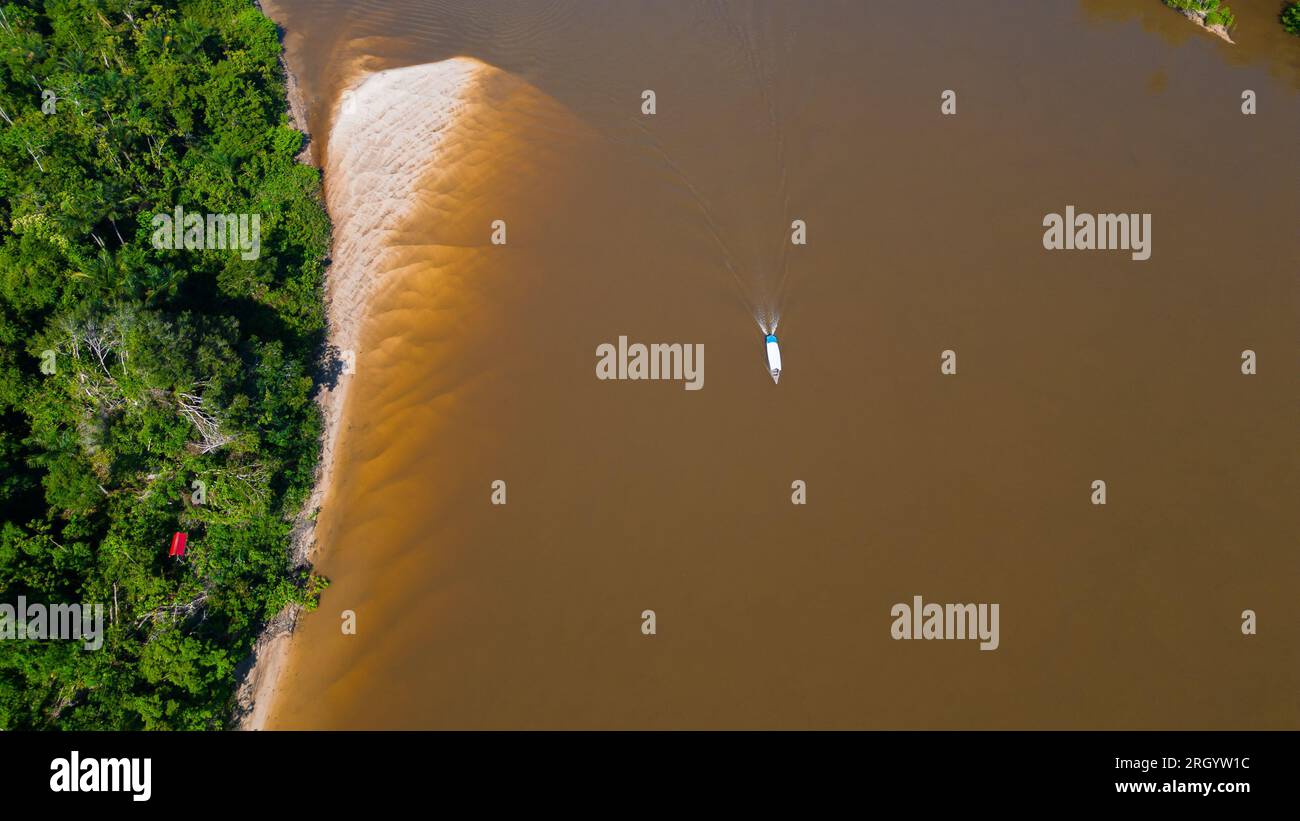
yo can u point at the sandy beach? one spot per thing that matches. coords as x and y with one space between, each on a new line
383 139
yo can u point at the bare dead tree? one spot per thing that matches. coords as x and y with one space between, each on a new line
5 115
251 476
103 344
129 14
34 157
174 610
192 408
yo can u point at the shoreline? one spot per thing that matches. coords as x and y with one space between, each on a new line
1199 19
260 675
384 130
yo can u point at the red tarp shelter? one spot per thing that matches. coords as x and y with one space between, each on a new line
178 544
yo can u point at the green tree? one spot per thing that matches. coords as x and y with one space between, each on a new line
1291 18
171 365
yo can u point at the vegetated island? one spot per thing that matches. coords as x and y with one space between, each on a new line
1290 18
148 390
1210 15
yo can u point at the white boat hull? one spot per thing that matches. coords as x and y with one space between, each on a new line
773 357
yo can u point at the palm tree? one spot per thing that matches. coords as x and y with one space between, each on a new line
119 200
76 62
156 38
188 39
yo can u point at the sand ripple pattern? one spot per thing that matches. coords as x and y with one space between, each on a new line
388 131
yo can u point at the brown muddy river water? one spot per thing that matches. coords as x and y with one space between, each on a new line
477 362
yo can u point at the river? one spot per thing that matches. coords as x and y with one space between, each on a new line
476 363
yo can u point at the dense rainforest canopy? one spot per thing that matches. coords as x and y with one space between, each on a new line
146 390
